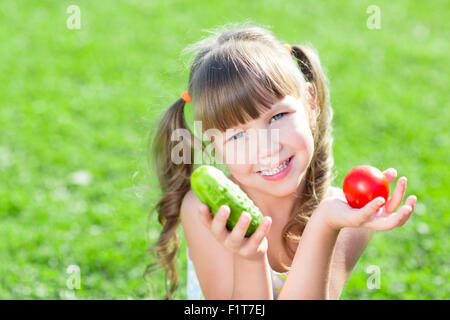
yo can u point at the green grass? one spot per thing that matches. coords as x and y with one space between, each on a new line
85 99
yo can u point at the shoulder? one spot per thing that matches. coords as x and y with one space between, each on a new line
189 198
189 217
189 204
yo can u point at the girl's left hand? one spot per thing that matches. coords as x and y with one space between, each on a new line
338 214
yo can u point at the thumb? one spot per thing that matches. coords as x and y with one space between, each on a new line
371 208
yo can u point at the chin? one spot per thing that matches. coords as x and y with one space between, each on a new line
287 187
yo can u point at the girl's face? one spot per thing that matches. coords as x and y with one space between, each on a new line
280 134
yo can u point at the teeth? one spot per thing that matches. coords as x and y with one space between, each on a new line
276 170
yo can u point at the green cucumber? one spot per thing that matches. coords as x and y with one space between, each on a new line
213 188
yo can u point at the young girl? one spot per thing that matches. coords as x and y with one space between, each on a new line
244 80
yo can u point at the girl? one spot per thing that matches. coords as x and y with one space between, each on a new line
244 80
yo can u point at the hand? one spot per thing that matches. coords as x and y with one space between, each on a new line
253 247
374 215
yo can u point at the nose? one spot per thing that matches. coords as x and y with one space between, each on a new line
269 147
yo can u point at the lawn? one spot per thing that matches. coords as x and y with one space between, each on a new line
76 106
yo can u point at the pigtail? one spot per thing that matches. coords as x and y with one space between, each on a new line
319 174
174 182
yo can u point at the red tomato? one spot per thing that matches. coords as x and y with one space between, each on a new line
363 184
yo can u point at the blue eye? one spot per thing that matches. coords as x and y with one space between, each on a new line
277 116
236 135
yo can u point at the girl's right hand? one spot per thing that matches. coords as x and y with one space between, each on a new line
253 247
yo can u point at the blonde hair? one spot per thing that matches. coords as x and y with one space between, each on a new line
238 72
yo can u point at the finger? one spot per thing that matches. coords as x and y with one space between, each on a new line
391 221
402 214
218 225
369 210
258 236
235 238
205 215
406 214
390 174
411 200
397 196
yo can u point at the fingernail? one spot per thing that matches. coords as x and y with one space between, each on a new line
381 202
224 211
244 217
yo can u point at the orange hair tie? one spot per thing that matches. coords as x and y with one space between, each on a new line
186 97
288 47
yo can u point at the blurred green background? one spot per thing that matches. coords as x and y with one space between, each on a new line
76 107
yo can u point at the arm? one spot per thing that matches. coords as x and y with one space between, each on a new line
309 275
211 261
352 241
350 245
222 274
335 214
251 279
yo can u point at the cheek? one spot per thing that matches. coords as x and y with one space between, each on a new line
235 156
238 158
298 139
239 170
296 135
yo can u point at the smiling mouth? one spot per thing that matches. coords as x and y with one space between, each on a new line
281 167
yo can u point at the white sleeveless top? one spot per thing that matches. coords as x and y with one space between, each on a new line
194 291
